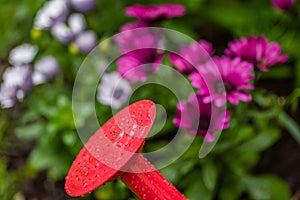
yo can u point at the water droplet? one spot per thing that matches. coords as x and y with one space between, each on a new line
85 185
144 196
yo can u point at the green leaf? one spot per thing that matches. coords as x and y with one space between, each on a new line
260 142
210 175
195 187
267 187
31 131
290 125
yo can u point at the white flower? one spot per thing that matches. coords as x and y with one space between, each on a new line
19 77
62 32
77 23
113 90
22 54
16 82
45 69
52 12
67 32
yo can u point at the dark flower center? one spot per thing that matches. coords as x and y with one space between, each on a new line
223 87
203 124
118 93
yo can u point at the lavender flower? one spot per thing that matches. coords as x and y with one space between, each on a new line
200 118
86 41
22 54
52 12
113 90
223 78
197 53
45 69
257 51
83 5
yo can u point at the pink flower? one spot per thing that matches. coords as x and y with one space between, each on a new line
137 39
134 25
200 118
283 5
139 64
222 79
153 13
195 54
257 51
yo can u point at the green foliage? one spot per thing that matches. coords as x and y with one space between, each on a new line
46 117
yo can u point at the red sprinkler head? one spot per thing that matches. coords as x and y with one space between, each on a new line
112 150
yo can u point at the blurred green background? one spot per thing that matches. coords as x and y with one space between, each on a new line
258 157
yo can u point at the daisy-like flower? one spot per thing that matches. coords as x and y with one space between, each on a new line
200 118
153 13
83 5
137 39
139 64
62 32
257 51
113 90
77 23
68 32
224 78
86 41
23 54
134 25
45 70
283 5
195 54
52 12
19 78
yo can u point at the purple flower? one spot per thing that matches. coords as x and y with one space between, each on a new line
195 54
139 64
86 41
200 118
113 90
83 5
152 13
223 78
257 51
45 69
283 5
52 12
